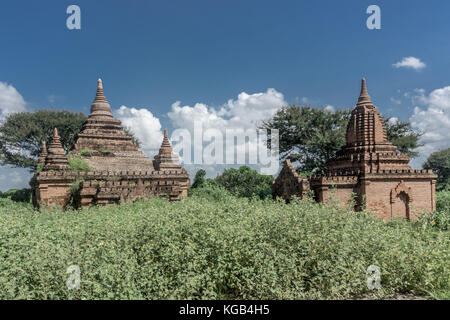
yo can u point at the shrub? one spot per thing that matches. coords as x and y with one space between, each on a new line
210 190
443 200
245 182
86 153
17 195
75 187
77 163
22 195
199 179
199 248
39 167
440 218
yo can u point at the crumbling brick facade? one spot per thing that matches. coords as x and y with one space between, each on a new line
118 171
370 171
289 183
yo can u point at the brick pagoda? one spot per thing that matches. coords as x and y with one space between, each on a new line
118 171
368 168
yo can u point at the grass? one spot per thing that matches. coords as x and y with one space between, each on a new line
86 153
75 187
440 218
217 247
105 152
77 163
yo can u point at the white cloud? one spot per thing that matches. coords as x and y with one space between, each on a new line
393 120
433 119
10 100
245 112
145 126
410 62
329 108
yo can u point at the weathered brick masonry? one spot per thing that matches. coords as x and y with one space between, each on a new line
368 168
119 172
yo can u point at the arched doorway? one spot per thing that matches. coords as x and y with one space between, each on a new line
401 201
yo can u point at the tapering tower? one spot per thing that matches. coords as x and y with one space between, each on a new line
367 148
105 141
166 159
43 154
56 158
101 130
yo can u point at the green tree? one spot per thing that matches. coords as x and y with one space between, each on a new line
21 135
245 182
199 179
402 135
310 137
439 162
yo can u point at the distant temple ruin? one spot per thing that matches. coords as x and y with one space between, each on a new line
369 169
117 170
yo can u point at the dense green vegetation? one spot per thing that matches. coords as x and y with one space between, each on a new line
440 219
77 163
18 195
242 182
439 162
215 245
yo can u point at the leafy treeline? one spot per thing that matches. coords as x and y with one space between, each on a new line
242 182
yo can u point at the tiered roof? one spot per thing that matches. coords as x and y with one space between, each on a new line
111 148
43 154
367 148
56 158
166 159
101 130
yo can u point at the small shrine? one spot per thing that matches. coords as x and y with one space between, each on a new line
368 170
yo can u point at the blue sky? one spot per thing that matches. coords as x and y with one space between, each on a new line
151 54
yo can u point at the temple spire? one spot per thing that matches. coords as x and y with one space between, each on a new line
364 96
366 127
166 148
43 154
56 158
166 158
100 108
100 96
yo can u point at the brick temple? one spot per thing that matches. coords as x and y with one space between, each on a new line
369 169
118 171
